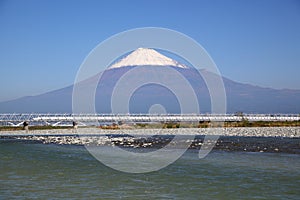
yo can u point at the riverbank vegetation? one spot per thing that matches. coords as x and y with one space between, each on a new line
18 128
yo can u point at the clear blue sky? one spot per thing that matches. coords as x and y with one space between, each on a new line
43 42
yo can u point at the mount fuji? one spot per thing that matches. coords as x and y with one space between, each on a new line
240 97
144 57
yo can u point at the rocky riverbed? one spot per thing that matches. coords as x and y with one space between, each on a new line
266 139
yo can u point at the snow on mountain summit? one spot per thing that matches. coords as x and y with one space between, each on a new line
145 56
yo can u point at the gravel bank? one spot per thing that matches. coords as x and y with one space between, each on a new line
238 131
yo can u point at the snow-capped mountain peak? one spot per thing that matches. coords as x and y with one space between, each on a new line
145 56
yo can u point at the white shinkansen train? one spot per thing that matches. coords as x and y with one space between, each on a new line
13 119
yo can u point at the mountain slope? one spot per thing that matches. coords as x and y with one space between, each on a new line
240 97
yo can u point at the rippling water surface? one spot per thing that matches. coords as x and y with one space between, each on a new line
29 170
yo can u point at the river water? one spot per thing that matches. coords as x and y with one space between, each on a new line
50 171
